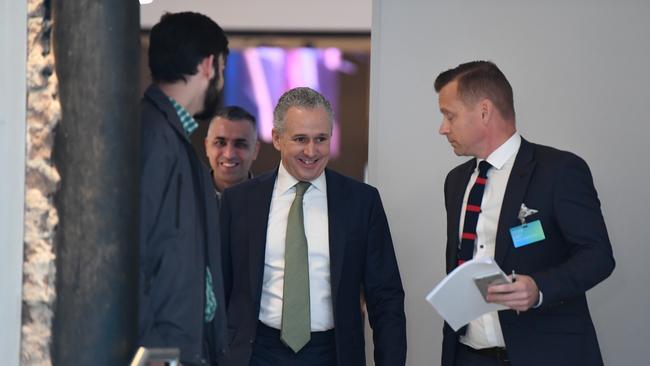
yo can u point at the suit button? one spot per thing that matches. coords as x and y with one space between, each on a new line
251 341
223 351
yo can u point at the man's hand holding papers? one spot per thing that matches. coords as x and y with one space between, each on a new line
458 299
519 295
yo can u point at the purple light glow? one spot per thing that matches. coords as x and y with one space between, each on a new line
272 71
261 93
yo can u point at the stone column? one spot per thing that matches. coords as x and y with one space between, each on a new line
41 182
96 47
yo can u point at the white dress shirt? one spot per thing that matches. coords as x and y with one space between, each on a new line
485 332
316 231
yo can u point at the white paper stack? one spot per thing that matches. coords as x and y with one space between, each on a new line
456 297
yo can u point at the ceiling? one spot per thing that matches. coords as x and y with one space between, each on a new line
276 15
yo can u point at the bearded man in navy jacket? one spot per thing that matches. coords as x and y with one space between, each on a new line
181 302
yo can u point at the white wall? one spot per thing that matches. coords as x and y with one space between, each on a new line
581 76
13 43
283 15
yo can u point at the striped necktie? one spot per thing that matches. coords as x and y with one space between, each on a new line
472 210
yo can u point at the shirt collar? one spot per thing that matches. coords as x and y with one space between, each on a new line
216 190
286 181
187 121
503 153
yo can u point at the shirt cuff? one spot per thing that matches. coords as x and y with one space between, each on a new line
541 299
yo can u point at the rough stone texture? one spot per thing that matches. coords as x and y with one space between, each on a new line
41 181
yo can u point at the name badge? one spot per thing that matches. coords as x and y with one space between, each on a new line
527 233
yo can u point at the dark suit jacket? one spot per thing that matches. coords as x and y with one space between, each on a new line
575 256
362 258
178 236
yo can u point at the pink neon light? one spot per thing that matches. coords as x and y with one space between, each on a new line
302 70
299 67
332 58
261 92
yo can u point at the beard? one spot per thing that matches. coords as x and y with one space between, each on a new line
212 101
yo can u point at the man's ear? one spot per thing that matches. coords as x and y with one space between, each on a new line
257 150
276 139
487 108
206 141
206 67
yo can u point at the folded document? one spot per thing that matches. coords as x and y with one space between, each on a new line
457 297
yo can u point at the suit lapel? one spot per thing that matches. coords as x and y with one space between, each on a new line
336 216
522 171
456 195
258 206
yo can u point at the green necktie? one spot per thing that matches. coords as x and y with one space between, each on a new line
296 323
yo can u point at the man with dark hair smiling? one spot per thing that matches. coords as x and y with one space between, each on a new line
231 146
181 302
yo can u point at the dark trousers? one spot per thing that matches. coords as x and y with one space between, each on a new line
268 349
466 356
209 347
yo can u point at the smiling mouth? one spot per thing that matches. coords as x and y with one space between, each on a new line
308 162
228 164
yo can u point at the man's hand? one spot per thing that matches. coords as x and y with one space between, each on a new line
520 295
